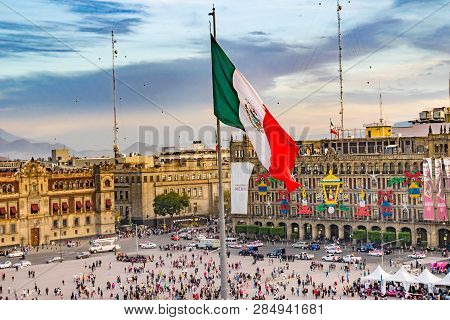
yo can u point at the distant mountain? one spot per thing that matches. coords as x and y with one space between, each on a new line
141 148
8 137
14 147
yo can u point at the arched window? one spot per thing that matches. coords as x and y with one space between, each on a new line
107 183
400 168
4 188
385 168
392 168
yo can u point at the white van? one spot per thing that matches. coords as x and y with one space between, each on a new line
208 244
104 245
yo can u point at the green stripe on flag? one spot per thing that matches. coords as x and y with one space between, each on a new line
226 101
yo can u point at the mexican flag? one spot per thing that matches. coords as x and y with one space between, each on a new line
237 104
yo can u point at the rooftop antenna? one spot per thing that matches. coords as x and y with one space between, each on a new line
381 104
341 98
115 127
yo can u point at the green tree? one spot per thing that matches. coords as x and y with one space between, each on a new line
360 235
405 236
374 236
241 228
170 204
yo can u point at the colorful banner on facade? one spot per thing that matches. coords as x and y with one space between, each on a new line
428 205
440 194
240 176
447 167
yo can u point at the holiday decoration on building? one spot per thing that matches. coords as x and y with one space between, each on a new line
303 207
363 209
414 183
332 194
395 180
385 200
284 200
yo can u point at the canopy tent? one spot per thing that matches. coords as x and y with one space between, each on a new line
404 277
378 275
444 281
426 277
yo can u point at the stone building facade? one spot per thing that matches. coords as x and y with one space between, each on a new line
136 187
39 205
368 164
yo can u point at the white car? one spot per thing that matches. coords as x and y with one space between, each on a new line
71 244
376 253
21 264
201 237
255 244
192 245
331 246
6 264
330 258
350 258
15 254
417 255
234 245
334 250
304 256
300 245
54 259
147 245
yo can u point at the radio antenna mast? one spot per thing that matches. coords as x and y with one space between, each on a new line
115 127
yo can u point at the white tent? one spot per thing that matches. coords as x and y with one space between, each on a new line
426 277
444 281
377 275
404 277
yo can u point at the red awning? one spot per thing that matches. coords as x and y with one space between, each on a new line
34 208
2 210
55 207
12 210
88 204
79 205
65 206
108 203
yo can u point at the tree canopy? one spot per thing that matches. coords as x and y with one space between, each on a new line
170 204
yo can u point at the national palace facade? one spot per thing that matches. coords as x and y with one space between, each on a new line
373 172
40 204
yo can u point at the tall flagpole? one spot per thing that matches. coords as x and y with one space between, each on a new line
223 247
115 128
341 96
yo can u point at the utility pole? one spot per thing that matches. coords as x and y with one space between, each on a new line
223 248
341 97
115 127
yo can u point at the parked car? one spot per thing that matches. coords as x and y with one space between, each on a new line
175 237
6 264
255 244
55 259
234 245
417 255
300 245
83 255
331 258
276 253
334 250
304 256
192 244
147 245
248 251
366 247
15 254
71 244
314 246
329 246
350 258
376 253
21 264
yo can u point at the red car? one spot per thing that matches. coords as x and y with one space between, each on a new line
175 237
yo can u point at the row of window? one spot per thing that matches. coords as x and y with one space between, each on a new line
12 228
191 192
361 168
64 222
6 189
169 177
73 185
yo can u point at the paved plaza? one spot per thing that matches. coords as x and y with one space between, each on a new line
195 271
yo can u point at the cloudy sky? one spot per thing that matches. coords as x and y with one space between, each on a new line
55 60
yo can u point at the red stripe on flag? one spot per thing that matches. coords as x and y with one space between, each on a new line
283 152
